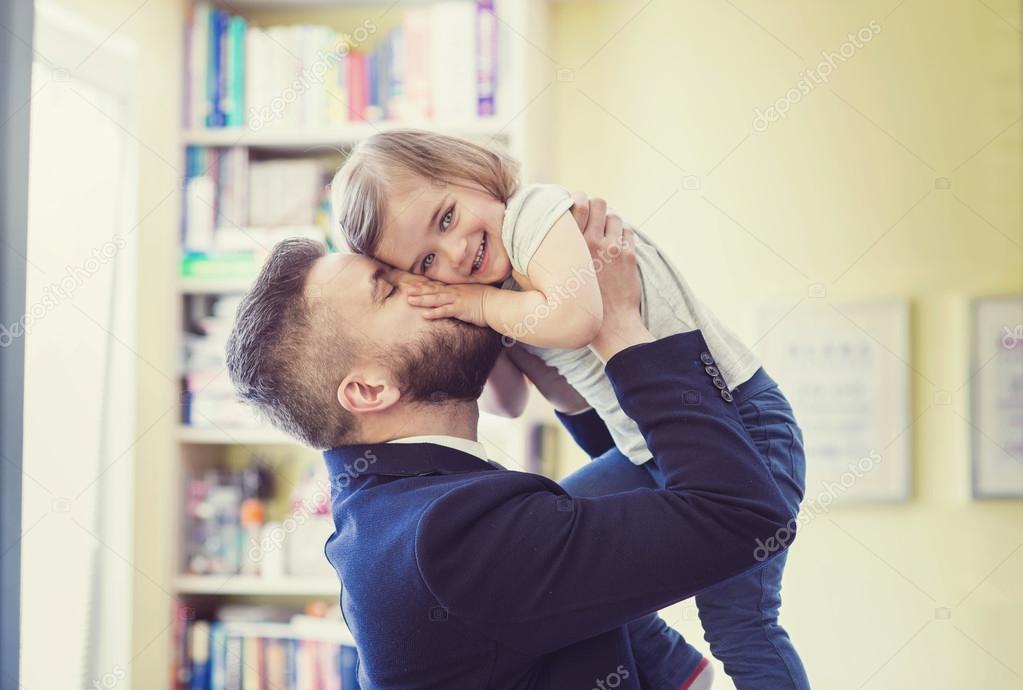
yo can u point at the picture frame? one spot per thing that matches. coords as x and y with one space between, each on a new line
846 370
996 397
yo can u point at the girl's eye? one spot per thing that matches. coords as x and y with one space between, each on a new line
428 261
445 221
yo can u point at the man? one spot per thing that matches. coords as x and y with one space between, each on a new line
459 575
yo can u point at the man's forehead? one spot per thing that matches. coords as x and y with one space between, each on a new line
340 270
350 273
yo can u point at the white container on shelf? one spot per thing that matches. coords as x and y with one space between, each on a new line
304 547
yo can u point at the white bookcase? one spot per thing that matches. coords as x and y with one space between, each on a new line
523 74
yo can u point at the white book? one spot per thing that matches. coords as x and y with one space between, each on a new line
198 98
199 194
293 89
335 80
268 207
453 60
255 79
314 69
280 72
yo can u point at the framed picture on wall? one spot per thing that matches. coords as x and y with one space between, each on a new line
845 368
996 397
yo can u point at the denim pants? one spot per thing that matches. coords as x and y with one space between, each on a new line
739 615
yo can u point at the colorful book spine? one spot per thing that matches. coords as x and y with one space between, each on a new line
416 99
234 101
372 87
233 674
182 672
384 66
396 90
275 673
214 65
358 91
453 90
334 80
218 656
199 642
486 58
198 50
252 663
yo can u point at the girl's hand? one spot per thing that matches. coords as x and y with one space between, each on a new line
463 302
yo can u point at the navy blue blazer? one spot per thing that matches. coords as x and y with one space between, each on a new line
457 575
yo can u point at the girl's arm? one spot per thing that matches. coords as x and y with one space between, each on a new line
507 389
506 392
560 304
552 385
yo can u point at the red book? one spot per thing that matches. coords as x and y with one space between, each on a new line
358 86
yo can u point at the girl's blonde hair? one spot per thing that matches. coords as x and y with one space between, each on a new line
361 187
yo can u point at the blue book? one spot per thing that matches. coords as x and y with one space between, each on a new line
372 63
214 77
396 86
234 96
291 663
383 53
199 645
218 656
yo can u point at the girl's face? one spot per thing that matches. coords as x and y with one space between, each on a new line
449 232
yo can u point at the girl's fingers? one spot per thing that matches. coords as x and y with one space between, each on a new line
614 228
595 221
580 209
426 288
431 300
445 312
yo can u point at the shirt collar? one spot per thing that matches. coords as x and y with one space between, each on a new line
463 444
347 465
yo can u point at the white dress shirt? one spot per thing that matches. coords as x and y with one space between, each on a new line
463 444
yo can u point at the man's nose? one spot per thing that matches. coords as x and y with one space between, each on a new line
405 281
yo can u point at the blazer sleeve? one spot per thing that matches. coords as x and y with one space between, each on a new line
537 570
588 431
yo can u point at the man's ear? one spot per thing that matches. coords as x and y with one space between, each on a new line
365 392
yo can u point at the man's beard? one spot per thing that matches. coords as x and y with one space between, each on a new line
447 364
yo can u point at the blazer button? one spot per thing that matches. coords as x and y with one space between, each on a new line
711 371
719 383
726 396
706 358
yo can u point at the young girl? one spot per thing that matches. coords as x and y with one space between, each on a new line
495 254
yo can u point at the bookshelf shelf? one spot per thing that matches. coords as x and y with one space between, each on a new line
228 436
247 585
339 136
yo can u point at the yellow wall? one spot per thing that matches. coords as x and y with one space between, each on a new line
661 90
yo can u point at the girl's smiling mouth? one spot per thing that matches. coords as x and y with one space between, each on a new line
481 256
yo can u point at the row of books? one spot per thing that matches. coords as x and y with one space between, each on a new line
439 64
306 653
208 398
234 204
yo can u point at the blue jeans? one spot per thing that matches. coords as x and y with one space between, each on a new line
739 615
